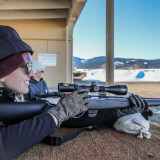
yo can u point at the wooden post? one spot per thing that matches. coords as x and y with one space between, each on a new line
109 42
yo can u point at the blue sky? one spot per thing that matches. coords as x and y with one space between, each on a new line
136 30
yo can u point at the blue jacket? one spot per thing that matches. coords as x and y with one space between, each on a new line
36 88
16 138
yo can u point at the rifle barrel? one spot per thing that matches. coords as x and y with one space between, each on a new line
117 102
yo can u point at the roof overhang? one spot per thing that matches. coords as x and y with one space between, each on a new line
69 10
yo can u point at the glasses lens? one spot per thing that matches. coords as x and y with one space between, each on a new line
27 57
27 68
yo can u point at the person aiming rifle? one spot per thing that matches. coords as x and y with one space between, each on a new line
15 73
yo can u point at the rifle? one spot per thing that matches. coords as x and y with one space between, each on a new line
101 101
64 88
17 111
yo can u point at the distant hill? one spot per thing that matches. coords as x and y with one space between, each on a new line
119 63
93 63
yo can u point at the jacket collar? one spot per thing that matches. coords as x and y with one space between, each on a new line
35 81
7 95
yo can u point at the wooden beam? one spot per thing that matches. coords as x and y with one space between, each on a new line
33 14
109 42
34 4
74 12
69 52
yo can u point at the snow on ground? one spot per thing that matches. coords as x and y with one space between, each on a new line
148 75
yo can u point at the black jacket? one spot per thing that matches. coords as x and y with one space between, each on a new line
16 138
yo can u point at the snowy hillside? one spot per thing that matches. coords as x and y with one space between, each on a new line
119 63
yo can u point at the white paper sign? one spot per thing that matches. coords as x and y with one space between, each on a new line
47 59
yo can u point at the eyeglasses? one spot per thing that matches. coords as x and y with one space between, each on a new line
27 68
27 57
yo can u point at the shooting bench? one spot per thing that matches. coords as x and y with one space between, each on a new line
98 145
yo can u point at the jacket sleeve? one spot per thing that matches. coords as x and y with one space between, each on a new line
15 139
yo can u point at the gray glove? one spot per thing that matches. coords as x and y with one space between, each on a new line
70 105
137 105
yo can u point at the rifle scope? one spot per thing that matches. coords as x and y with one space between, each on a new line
116 89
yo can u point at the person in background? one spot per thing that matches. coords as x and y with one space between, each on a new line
15 73
37 85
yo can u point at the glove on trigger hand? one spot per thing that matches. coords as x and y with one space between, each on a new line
142 106
137 105
70 105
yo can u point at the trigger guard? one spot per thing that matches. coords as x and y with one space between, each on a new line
79 115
